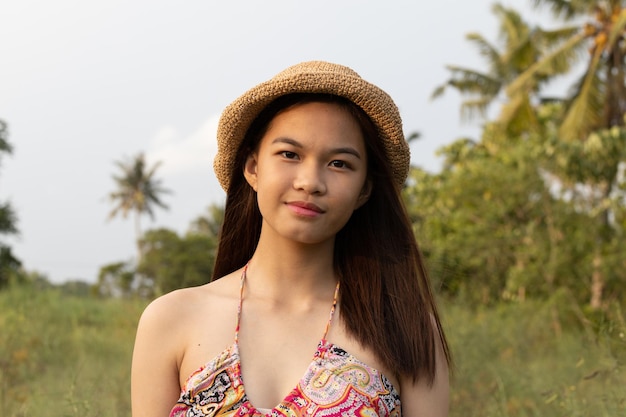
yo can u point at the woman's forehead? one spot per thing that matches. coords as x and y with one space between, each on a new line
315 122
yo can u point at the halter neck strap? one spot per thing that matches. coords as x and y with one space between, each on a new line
243 280
332 312
241 286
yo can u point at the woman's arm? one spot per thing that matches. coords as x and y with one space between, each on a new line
155 378
419 399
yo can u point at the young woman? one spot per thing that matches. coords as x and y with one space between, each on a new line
319 303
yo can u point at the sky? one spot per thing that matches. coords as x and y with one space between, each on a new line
85 84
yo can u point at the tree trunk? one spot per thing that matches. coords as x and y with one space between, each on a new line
139 279
138 237
597 281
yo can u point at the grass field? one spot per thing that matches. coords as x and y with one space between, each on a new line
66 356
535 359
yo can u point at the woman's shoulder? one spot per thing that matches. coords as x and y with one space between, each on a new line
178 304
178 319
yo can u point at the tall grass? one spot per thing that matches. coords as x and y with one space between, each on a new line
66 356
538 359
63 355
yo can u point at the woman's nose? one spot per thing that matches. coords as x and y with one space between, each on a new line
310 178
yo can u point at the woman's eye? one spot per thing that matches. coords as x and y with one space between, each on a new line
289 155
338 164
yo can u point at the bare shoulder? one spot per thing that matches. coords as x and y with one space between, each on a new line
187 299
177 313
163 322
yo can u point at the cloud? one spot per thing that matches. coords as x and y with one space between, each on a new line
185 155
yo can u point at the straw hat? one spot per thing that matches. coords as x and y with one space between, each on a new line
312 77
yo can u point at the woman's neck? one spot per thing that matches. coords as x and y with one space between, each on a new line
305 270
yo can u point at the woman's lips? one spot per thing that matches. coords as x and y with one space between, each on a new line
304 208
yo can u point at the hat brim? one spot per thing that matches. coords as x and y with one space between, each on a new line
378 105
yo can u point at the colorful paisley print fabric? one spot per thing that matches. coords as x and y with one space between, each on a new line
336 384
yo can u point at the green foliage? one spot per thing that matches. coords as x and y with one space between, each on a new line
8 219
550 172
490 226
171 262
9 264
589 176
63 355
209 224
116 279
5 146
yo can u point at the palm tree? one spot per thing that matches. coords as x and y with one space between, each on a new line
138 191
521 46
597 99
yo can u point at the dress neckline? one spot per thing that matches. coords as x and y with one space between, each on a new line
320 350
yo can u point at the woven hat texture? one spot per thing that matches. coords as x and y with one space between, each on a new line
312 77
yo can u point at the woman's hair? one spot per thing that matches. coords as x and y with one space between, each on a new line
386 298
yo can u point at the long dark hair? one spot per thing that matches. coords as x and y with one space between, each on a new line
386 298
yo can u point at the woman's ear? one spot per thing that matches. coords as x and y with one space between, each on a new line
250 170
365 194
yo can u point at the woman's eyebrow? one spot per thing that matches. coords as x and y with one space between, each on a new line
288 141
347 149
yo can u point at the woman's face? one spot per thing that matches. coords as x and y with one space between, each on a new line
309 172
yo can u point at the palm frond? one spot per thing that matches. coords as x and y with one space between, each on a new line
468 81
518 115
510 109
120 208
554 37
513 29
549 64
485 49
438 92
151 171
585 111
520 57
565 9
472 109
